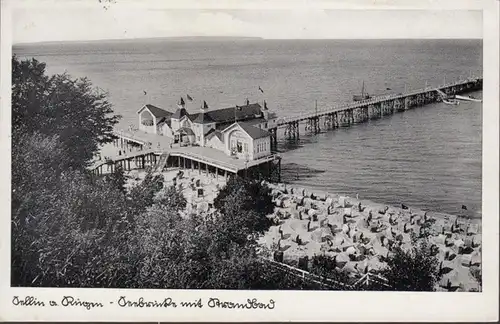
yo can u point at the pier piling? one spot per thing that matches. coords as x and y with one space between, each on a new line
362 111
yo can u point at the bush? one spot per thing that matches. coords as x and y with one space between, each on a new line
246 205
413 270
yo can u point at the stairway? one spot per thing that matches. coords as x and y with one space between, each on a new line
162 162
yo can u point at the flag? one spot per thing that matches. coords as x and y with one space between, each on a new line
205 106
265 104
260 89
403 206
145 93
182 102
464 207
189 97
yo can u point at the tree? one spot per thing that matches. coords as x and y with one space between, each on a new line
142 194
117 179
77 113
246 205
413 270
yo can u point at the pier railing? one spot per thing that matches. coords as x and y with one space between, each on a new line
285 120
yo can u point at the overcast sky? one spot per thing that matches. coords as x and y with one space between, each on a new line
57 20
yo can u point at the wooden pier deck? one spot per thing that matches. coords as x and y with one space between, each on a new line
193 157
361 111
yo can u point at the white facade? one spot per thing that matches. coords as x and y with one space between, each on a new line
215 143
237 142
165 130
261 147
247 141
147 121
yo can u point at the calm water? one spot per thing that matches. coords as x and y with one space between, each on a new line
428 157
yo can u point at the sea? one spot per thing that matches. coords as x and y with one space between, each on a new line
428 157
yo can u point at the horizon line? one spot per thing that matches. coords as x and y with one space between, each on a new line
234 38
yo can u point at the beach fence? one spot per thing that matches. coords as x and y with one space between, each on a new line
373 281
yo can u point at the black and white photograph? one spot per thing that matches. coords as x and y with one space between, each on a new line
248 149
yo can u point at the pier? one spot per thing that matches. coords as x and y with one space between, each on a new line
361 111
206 160
142 150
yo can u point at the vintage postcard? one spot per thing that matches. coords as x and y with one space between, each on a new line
249 160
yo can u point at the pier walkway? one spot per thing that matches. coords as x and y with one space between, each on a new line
373 108
193 157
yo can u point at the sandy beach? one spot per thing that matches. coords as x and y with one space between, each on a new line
360 234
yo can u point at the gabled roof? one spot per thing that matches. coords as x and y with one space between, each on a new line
201 118
226 115
179 113
165 121
185 130
156 111
213 132
253 132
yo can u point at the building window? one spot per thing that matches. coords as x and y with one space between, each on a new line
245 146
239 147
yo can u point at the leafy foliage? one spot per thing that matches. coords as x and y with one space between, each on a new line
413 270
246 205
143 194
117 179
70 229
73 110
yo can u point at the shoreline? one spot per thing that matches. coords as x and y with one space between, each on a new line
320 192
360 240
